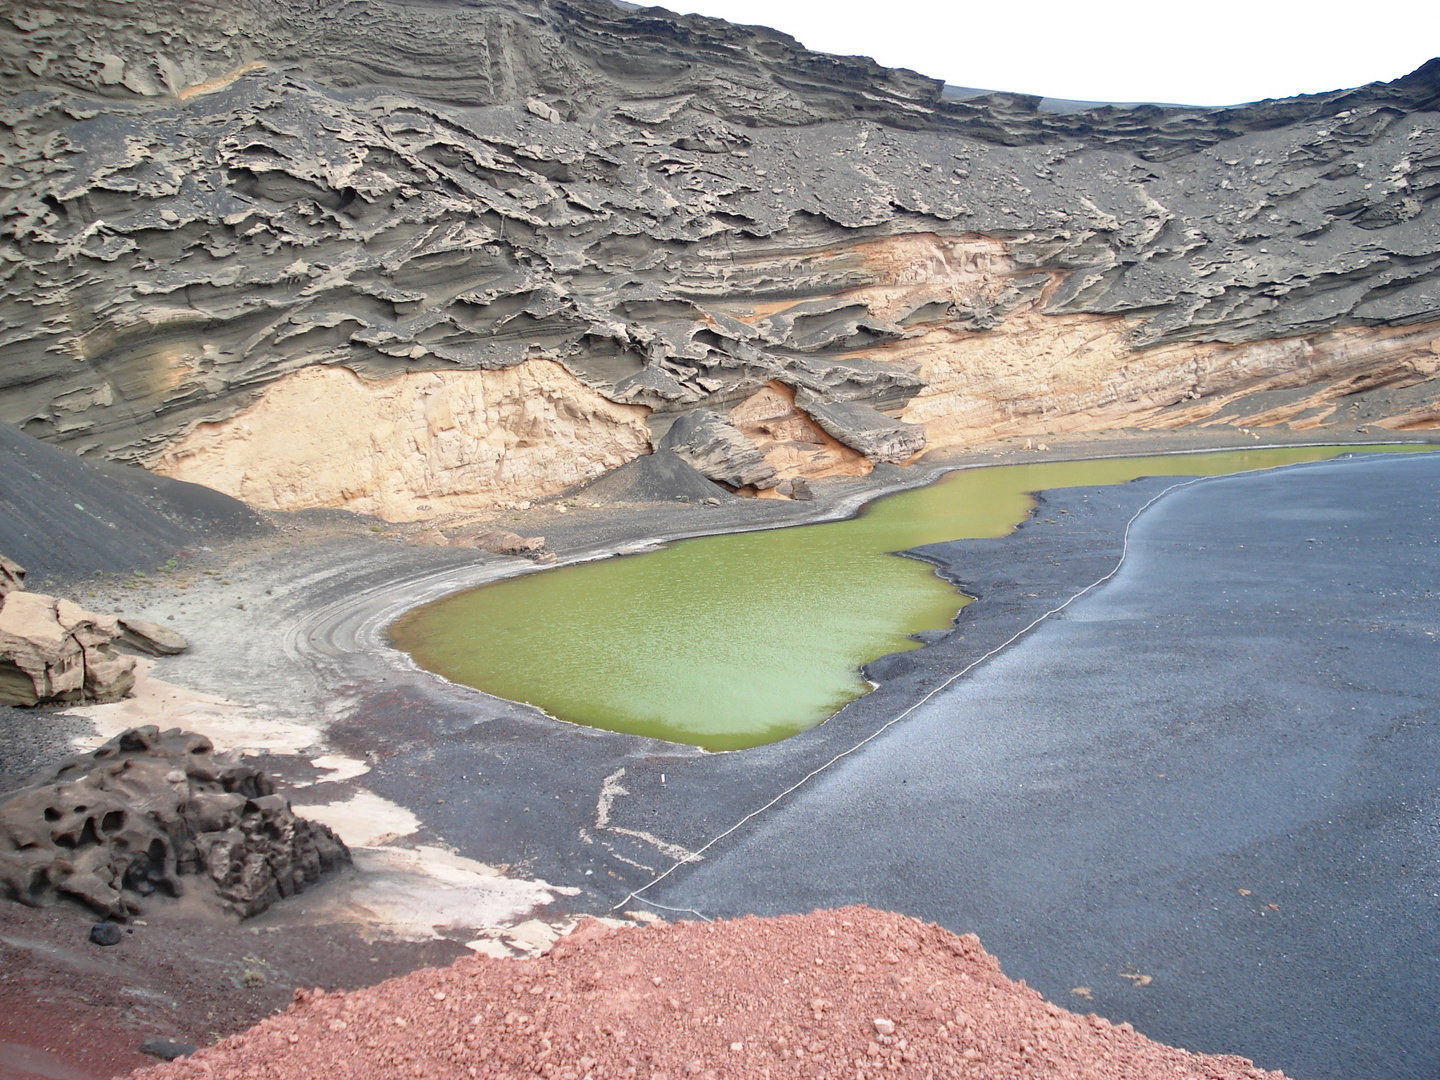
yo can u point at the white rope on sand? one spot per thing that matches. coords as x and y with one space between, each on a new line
1124 553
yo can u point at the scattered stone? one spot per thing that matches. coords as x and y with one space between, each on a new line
431 538
166 1050
105 933
800 490
12 576
111 828
536 107
151 637
883 1026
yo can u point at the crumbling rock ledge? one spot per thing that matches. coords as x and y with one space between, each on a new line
137 818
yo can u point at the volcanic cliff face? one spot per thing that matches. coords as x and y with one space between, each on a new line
408 256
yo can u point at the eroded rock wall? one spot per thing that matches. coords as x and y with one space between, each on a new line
414 445
201 203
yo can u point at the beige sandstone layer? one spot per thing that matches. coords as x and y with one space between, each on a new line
969 321
420 444
1037 374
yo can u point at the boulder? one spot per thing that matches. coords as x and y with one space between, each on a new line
502 542
147 812
718 450
152 638
877 436
55 650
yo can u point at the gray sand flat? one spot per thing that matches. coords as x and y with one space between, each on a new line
1253 704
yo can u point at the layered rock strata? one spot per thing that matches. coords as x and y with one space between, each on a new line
213 216
131 822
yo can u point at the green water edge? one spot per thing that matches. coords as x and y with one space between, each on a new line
732 641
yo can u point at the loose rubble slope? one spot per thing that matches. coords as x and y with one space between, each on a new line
854 993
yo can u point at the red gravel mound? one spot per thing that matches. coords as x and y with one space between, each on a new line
853 993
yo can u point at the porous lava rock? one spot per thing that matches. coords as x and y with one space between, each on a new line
53 650
853 993
148 812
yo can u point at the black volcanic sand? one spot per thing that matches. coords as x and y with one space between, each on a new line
63 518
1221 772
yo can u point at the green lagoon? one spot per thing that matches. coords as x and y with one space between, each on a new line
727 642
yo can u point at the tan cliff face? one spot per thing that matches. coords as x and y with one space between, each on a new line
413 446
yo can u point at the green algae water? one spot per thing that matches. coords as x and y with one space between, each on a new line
727 642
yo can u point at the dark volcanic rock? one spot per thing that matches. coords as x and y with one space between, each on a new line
147 812
675 209
105 933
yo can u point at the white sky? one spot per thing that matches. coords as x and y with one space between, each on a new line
1210 52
